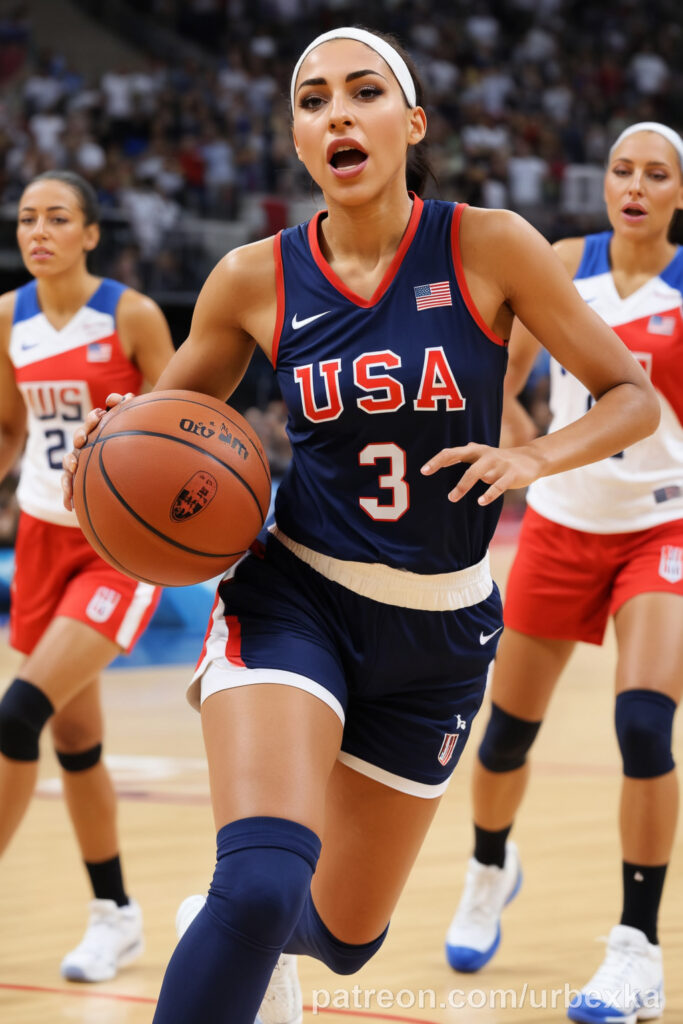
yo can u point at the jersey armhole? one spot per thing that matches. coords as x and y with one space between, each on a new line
280 293
462 283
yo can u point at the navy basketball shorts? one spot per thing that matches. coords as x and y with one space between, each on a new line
406 682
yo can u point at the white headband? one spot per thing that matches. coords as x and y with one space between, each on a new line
392 57
653 126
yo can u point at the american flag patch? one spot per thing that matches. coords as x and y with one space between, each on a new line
98 352
661 325
102 604
667 493
447 747
429 295
671 563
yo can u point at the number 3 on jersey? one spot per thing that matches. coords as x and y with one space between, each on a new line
393 481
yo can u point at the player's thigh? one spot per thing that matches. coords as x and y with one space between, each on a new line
270 749
79 724
371 838
68 656
649 631
526 671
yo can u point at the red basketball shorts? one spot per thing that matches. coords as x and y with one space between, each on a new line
564 584
57 573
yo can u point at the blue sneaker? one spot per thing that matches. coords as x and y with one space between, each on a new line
627 987
474 934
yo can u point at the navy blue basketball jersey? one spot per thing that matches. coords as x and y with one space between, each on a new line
374 388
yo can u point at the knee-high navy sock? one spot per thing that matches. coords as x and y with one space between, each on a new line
222 965
313 938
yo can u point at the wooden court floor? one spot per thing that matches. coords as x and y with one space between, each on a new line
566 833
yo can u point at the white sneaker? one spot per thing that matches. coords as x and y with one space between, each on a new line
282 1003
474 934
112 939
627 987
186 913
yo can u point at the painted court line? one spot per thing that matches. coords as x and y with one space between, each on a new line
90 994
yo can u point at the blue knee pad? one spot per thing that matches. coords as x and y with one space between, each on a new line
312 938
644 723
263 875
24 710
506 741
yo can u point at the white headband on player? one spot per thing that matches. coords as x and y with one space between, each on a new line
653 126
392 57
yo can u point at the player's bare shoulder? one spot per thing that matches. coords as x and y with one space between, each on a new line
249 271
491 237
246 280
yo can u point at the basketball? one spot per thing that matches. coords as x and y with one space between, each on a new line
172 488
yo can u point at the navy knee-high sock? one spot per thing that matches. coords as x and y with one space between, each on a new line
312 937
222 965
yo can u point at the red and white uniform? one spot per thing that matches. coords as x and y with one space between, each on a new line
596 536
62 375
642 486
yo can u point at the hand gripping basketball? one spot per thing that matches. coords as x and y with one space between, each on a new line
170 487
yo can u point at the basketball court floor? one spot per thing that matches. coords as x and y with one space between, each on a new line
566 832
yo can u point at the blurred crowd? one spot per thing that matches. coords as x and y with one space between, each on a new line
524 99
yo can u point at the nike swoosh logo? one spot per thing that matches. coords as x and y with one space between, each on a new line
26 346
298 324
485 637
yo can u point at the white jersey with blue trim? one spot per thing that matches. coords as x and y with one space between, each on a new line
62 375
374 388
642 486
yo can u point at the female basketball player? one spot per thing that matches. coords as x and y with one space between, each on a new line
602 540
64 338
347 656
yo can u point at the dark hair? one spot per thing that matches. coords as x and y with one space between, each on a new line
418 169
675 235
87 198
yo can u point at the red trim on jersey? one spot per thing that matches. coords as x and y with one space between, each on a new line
391 271
656 340
207 634
462 283
233 645
280 292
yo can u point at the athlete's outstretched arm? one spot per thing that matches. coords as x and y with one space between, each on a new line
528 278
518 427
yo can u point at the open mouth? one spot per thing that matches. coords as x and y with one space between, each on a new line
633 211
347 157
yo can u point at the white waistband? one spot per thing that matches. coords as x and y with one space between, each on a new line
440 592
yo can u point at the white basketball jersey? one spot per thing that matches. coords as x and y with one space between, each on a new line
62 376
642 486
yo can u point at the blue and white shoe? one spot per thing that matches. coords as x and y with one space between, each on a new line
474 934
282 1003
627 987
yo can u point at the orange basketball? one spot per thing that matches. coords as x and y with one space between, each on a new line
172 488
